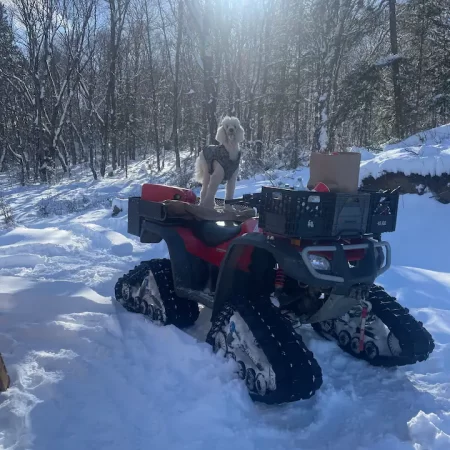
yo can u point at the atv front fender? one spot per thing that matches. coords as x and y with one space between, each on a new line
295 264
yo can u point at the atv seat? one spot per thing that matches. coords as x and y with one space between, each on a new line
213 234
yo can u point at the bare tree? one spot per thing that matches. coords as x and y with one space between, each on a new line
55 35
117 14
111 82
153 83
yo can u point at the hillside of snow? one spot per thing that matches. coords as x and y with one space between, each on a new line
426 153
86 374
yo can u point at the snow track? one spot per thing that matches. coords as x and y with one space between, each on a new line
86 374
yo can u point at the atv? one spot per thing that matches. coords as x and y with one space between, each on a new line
280 259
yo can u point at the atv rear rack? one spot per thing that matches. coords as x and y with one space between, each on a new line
308 214
285 213
175 212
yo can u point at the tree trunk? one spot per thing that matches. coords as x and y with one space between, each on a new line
176 85
262 94
225 26
281 88
91 153
420 65
237 80
37 134
118 10
297 107
2 157
155 117
111 90
210 101
398 98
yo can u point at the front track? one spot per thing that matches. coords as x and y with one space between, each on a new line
393 337
271 356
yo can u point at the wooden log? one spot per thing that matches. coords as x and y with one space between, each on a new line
4 378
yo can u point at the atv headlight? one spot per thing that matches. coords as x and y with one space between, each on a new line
379 257
319 262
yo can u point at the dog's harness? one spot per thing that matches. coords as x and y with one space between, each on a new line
220 154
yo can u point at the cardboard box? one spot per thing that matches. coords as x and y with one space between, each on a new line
339 171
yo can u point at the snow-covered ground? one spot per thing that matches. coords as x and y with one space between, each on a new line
426 153
86 374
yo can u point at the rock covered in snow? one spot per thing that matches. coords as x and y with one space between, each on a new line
418 164
119 205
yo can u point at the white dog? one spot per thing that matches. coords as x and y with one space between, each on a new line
219 163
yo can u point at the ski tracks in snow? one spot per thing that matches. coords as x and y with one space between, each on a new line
83 248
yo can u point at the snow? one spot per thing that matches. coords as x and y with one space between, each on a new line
365 153
323 136
438 135
439 97
117 243
88 374
388 60
426 153
427 429
423 160
121 204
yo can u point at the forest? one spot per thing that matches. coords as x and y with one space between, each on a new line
101 83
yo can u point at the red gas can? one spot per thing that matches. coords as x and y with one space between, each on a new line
161 192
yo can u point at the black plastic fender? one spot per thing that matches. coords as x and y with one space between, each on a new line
189 272
232 281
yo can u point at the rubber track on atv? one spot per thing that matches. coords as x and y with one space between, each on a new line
297 373
179 312
415 341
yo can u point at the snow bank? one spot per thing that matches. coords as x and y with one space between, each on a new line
424 160
70 203
120 245
39 242
120 204
365 154
117 243
426 430
438 135
21 260
426 153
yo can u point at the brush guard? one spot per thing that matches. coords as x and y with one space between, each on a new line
339 263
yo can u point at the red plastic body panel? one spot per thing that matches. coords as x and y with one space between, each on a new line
215 255
160 192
